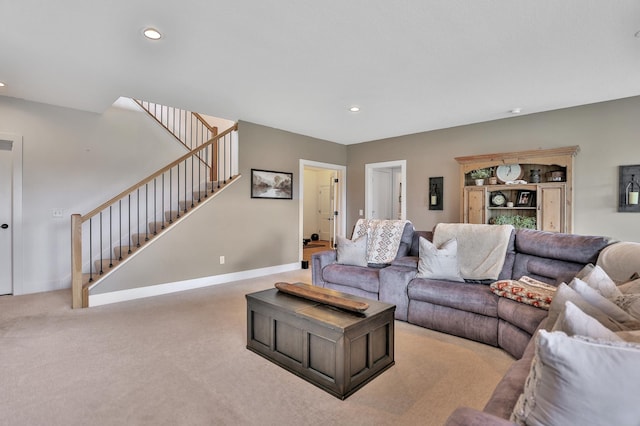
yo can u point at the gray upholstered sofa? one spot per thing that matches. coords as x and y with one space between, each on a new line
466 309
470 309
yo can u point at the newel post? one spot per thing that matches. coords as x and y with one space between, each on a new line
76 262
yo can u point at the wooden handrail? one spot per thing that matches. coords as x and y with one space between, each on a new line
212 129
148 179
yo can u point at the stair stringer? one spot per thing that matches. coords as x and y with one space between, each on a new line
161 233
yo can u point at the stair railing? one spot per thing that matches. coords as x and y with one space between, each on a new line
104 237
189 128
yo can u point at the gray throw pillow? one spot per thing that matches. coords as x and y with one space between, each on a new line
439 263
352 252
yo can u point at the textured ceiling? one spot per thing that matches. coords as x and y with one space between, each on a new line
411 65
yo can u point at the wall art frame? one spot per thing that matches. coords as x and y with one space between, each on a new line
271 184
436 189
626 173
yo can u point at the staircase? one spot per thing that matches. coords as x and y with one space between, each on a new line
112 233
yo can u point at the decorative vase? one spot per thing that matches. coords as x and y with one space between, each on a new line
493 180
479 182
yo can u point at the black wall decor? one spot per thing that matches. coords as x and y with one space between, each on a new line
627 174
435 194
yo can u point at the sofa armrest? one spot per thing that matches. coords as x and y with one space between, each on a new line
464 416
393 288
406 261
318 261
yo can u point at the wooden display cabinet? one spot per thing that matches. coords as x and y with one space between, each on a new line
549 202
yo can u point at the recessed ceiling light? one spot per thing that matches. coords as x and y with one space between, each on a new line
354 109
152 34
516 111
2 84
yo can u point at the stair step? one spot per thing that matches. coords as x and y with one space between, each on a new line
157 225
173 215
107 264
207 186
142 238
123 251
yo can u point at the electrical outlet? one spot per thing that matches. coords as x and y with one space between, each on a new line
222 260
361 212
57 213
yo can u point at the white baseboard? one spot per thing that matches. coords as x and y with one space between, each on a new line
173 287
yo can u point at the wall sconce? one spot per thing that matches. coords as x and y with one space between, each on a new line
632 190
435 194
629 189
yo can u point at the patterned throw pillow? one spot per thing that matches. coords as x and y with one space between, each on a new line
539 295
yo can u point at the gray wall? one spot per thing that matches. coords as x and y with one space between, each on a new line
607 134
74 160
250 233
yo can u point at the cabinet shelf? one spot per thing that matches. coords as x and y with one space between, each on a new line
551 200
512 208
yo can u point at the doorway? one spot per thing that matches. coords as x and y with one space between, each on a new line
385 190
10 214
322 202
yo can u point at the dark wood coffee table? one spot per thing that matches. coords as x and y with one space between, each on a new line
336 350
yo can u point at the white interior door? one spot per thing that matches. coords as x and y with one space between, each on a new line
6 229
385 190
325 212
381 206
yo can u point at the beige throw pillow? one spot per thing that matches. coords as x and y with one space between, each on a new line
564 294
605 305
439 263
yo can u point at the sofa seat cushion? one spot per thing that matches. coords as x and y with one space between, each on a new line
523 316
364 278
476 298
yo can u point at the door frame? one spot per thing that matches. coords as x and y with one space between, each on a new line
341 222
16 211
369 187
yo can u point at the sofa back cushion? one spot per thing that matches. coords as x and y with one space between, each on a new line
554 257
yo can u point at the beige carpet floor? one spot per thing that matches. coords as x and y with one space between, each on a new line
180 359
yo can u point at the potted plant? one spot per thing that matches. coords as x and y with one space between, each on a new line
479 175
517 221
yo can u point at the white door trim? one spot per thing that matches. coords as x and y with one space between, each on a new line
16 219
368 187
341 222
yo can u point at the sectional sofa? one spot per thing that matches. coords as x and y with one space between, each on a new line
470 309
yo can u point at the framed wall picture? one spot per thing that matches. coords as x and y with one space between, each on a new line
629 188
525 199
436 191
270 184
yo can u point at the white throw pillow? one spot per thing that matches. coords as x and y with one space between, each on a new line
439 263
352 252
598 280
564 294
604 304
579 381
575 322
